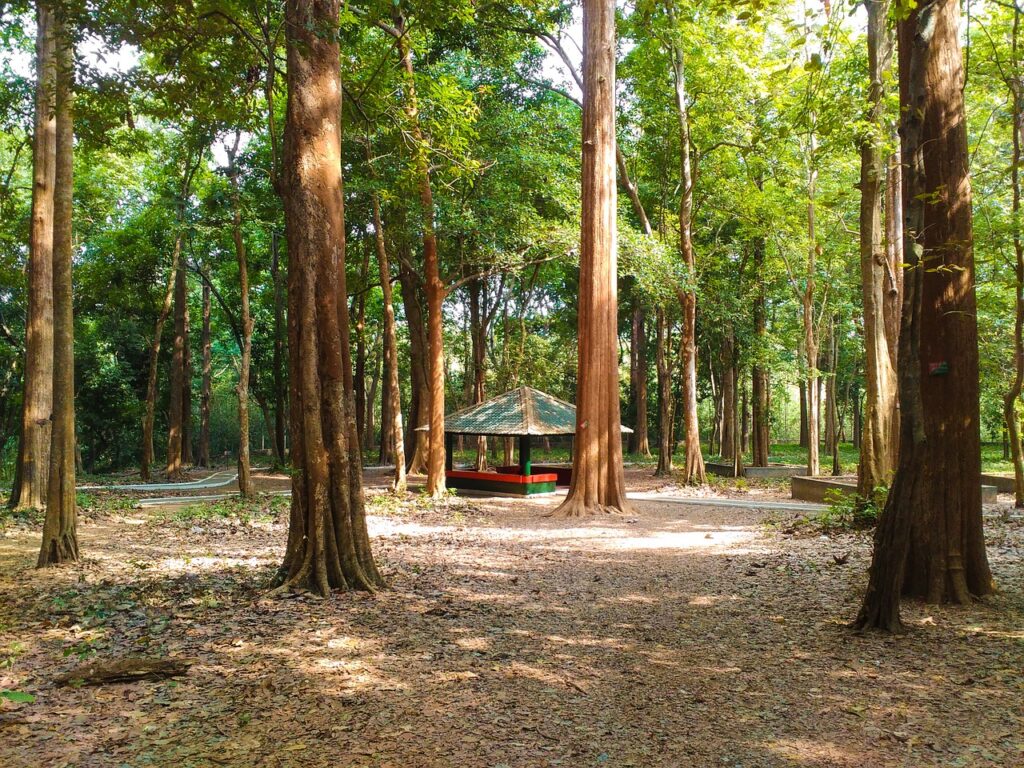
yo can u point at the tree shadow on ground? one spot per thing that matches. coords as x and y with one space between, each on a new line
677 636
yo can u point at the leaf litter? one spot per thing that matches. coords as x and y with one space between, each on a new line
675 635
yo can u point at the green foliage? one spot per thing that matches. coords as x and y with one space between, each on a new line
265 508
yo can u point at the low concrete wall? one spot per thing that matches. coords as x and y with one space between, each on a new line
815 488
772 470
1004 483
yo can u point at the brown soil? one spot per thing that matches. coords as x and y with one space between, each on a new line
676 636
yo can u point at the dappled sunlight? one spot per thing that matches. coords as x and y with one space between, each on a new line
815 752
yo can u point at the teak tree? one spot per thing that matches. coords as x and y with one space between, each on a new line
929 542
328 545
60 537
597 478
33 466
878 283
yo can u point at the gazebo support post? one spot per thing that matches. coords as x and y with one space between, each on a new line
449 451
524 455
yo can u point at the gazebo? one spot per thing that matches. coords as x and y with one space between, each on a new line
523 413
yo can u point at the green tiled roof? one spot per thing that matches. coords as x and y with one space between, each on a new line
522 411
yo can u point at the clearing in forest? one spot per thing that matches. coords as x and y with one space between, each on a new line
679 635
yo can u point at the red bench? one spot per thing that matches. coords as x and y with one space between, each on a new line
501 482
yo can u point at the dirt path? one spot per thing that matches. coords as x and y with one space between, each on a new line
679 636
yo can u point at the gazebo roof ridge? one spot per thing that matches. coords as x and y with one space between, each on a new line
524 411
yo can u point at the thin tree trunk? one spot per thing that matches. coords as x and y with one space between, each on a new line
760 384
929 542
1012 396
60 537
597 479
392 390
186 394
693 470
175 415
418 414
639 440
877 455
206 389
280 332
154 355
328 546
729 382
360 372
665 415
245 486
30 490
433 287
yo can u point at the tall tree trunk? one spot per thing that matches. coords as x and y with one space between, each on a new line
392 392
1012 396
175 416
60 537
744 415
360 372
729 400
760 384
693 470
433 287
665 415
418 413
877 455
37 402
206 389
154 356
369 433
478 356
639 441
280 335
929 542
812 391
186 393
245 486
832 396
598 482
803 408
328 546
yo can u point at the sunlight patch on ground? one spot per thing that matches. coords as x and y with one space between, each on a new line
808 752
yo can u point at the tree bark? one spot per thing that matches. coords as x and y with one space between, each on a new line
729 399
328 547
693 469
433 287
206 389
360 372
175 416
280 335
186 393
929 542
598 482
418 415
32 473
392 418
665 415
1012 396
877 450
245 486
760 384
639 441
60 537
154 355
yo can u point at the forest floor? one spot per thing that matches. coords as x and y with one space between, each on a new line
672 636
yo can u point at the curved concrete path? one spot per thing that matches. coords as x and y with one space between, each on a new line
204 483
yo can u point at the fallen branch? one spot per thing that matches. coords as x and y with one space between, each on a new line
125 670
